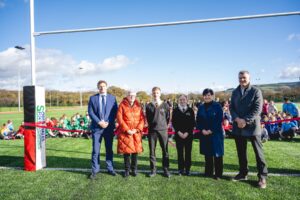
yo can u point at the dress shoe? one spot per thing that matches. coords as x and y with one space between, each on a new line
134 173
240 177
152 174
262 183
167 174
92 176
113 173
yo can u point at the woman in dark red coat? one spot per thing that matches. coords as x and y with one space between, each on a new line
131 123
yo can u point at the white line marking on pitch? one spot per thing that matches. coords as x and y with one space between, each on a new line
146 171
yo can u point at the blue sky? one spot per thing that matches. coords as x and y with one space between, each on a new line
183 58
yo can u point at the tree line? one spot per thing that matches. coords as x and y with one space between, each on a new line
9 98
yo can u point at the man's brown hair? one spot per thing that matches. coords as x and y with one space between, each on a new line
101 81
155 88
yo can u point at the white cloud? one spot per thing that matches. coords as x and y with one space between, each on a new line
293 36
108 64
292 71
114 63
53 67
2 4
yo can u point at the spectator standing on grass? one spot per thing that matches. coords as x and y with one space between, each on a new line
226 114
158 116
102 109
290 108
131 120
246 107
183 120
272 108
265 107
209 123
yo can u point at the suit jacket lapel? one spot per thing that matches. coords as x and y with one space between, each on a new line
97 105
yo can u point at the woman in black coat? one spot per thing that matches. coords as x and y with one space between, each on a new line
183 121
209 122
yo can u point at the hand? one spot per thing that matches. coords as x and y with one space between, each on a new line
180 134
130 132
240 122
204 132
185 135
209 132
134 131
103 124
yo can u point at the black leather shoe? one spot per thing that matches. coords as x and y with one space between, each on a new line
240 177
187 173
134 173
113 173
167 174
92 176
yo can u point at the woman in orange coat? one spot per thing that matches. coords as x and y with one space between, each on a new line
131 123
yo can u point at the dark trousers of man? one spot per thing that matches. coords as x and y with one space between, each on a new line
212 164
97 138
184 151
274 136
162 137
133 164
241 146
289 134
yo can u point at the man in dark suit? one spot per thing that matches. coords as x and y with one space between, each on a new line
245 107
102 110
158 117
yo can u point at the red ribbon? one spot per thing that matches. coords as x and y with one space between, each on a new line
37 125
283 120
145 131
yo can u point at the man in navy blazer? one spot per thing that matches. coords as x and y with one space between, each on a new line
102 110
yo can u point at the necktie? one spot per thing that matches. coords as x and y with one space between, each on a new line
102 106
183 109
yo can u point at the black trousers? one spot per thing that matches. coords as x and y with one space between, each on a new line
162 137
212 164
290 133
184 152
241 146
133 164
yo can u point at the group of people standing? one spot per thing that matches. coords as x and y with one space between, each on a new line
245 107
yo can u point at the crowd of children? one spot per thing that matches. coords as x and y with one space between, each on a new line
78 123
272 129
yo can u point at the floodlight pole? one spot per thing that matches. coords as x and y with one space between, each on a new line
32 42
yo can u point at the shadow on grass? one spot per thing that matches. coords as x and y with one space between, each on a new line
71 162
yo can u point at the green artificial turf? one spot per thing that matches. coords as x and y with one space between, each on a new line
282 157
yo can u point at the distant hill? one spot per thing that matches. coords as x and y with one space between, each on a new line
275 87
275 91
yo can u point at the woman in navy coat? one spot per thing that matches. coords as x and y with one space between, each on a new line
209 123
